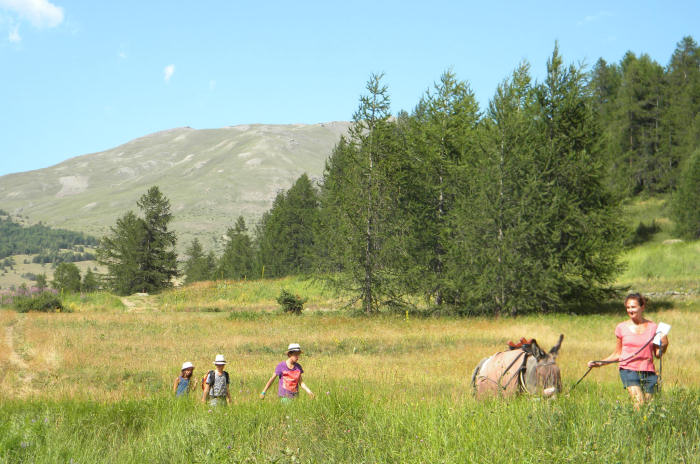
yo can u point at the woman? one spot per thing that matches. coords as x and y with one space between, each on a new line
635 352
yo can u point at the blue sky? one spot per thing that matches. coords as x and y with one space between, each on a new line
78 77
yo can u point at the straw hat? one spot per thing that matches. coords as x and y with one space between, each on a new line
187 365
219 359
294 348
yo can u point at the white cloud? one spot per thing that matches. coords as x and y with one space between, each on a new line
41 13
121 55
212 85
168 72
14 36
596 17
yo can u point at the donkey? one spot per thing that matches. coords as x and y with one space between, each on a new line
523 368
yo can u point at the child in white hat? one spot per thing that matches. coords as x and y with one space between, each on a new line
216 384
183 383
289 373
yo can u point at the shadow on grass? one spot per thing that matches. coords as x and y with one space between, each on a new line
617 307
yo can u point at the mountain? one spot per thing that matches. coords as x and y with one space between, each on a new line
211 176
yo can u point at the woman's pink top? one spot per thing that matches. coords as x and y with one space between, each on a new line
632 342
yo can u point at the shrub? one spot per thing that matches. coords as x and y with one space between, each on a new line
643 233
291 303
46 302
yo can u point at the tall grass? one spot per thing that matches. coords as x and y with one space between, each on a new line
663 266
93 302
354 425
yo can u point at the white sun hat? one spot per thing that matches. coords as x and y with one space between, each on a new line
187 365
219 359
294 348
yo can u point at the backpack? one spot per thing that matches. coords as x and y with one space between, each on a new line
205 379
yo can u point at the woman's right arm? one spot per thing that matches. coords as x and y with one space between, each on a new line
615 356
175 384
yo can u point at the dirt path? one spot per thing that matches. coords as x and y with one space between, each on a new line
24 373
139 302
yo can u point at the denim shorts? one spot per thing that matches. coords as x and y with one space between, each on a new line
645 380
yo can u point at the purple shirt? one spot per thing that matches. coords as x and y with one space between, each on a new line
289 379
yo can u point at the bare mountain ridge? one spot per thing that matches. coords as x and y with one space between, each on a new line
211 176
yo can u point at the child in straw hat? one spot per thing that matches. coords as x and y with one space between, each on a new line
183 383
216 384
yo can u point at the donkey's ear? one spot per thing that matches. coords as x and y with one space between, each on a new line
555 349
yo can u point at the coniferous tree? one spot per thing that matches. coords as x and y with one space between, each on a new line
681 121
583 234
686 200
495 264
139 253
362 234
441 136
237 259
638 163
159 264
121 252
285 234
66 278
90 282
197 265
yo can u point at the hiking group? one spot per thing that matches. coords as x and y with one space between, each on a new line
215 384
634 352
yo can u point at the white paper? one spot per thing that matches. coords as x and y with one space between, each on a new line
661 331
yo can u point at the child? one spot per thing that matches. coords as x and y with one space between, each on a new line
216 385
289 373
183 383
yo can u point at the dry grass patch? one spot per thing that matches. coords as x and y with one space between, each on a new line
128 355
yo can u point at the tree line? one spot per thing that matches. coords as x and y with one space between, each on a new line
510 209
16 239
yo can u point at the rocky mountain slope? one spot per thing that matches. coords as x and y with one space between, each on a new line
210 176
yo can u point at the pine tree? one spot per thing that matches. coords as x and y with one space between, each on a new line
582 234
686 199
121 252
90 282
285 235
441 133
66 278
139 253
237 259
362 236
638 162
197 265
681 119
160 260
495 266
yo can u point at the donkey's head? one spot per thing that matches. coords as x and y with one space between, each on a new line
548 375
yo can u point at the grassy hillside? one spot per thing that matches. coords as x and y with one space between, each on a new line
662 263
211 177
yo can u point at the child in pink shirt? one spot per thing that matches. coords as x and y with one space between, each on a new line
289 374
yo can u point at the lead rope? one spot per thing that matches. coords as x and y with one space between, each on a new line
619 360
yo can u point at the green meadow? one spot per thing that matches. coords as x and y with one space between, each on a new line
92 384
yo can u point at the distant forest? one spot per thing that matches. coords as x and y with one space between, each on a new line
50 244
